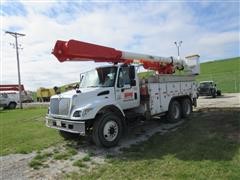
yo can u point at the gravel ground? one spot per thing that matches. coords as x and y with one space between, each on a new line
226 100
16 166
13 166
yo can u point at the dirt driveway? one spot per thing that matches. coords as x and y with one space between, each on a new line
16 166
227 100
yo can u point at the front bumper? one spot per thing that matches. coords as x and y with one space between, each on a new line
66 125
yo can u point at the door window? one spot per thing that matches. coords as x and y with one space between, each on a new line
123 78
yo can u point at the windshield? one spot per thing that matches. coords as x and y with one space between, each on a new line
99 77
205 84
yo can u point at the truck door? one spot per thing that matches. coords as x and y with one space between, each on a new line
127 89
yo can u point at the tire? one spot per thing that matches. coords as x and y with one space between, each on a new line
213 93
107 130
68 135
12 105
186 104
219 93
174 112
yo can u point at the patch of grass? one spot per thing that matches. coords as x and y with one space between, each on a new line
43 156
66 154
79 163
22 132
55 150
39 159
72 175
61 156
35 164
203 148
86 158
72 151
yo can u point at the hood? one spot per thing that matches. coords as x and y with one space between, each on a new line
84 92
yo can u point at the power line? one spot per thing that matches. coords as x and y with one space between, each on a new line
16 35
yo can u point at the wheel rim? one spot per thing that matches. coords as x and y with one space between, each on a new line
176 112
11 105
110 131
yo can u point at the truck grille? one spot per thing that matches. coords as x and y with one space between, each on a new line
59 106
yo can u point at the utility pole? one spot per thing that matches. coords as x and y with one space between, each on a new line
178 45
16 35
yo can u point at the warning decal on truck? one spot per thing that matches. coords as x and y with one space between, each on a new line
128 96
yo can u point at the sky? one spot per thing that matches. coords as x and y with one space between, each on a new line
207 28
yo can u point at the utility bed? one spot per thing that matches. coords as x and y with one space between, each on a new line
158 90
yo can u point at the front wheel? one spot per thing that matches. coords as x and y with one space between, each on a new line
174 112
107 130
12 105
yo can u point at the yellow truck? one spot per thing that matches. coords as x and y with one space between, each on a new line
44 94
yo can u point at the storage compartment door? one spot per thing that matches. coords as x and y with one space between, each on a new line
154 101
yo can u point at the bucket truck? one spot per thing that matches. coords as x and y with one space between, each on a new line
12 92
109 97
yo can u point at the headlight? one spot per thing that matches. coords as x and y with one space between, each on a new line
86 111
77 114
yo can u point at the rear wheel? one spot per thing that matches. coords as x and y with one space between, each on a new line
12 105
186 107
107 130
174 112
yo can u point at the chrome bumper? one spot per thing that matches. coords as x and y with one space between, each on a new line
66 125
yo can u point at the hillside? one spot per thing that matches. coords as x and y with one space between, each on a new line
226 73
